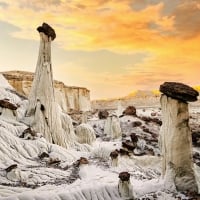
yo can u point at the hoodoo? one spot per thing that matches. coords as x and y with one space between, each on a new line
45 114
175 136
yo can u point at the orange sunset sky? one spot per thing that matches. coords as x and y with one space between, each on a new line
111 47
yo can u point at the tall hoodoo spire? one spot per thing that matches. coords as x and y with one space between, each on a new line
46 116
175 136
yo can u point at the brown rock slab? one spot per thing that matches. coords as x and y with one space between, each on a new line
124 176
103 114
128 145
11 167
114 154
130 110
123 152
179 91
81 161
4 103
47 30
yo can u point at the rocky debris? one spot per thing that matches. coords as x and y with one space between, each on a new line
81 161
43 155
5 103
147 130
153 114
196 138
134 138
151 120
179 91
103 114
130 110
138 152
137 123
47 30
196 158
123 152
28 134
128 145
53 162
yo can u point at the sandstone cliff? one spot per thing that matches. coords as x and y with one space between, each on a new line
70 98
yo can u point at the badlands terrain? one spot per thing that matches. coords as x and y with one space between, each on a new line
55 146
58 175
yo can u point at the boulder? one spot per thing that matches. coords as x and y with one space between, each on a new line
134 138
103 114
130 110
128 145
123 152
179 91
137 123
114 154
81 161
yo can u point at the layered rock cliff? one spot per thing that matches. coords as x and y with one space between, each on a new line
70 98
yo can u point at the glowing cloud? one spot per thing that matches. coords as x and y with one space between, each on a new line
168 31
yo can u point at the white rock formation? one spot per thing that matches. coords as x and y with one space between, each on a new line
14 175
176 146
114 162
7 113
85 134
112 127
125 188
42 105
119 108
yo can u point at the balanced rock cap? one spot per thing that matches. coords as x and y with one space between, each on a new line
124 176
114 154
179 91
47 30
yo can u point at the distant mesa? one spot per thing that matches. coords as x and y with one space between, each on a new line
179 91
47 30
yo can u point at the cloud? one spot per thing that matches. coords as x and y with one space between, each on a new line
102 24
90 24
187 19
168 31
3 4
